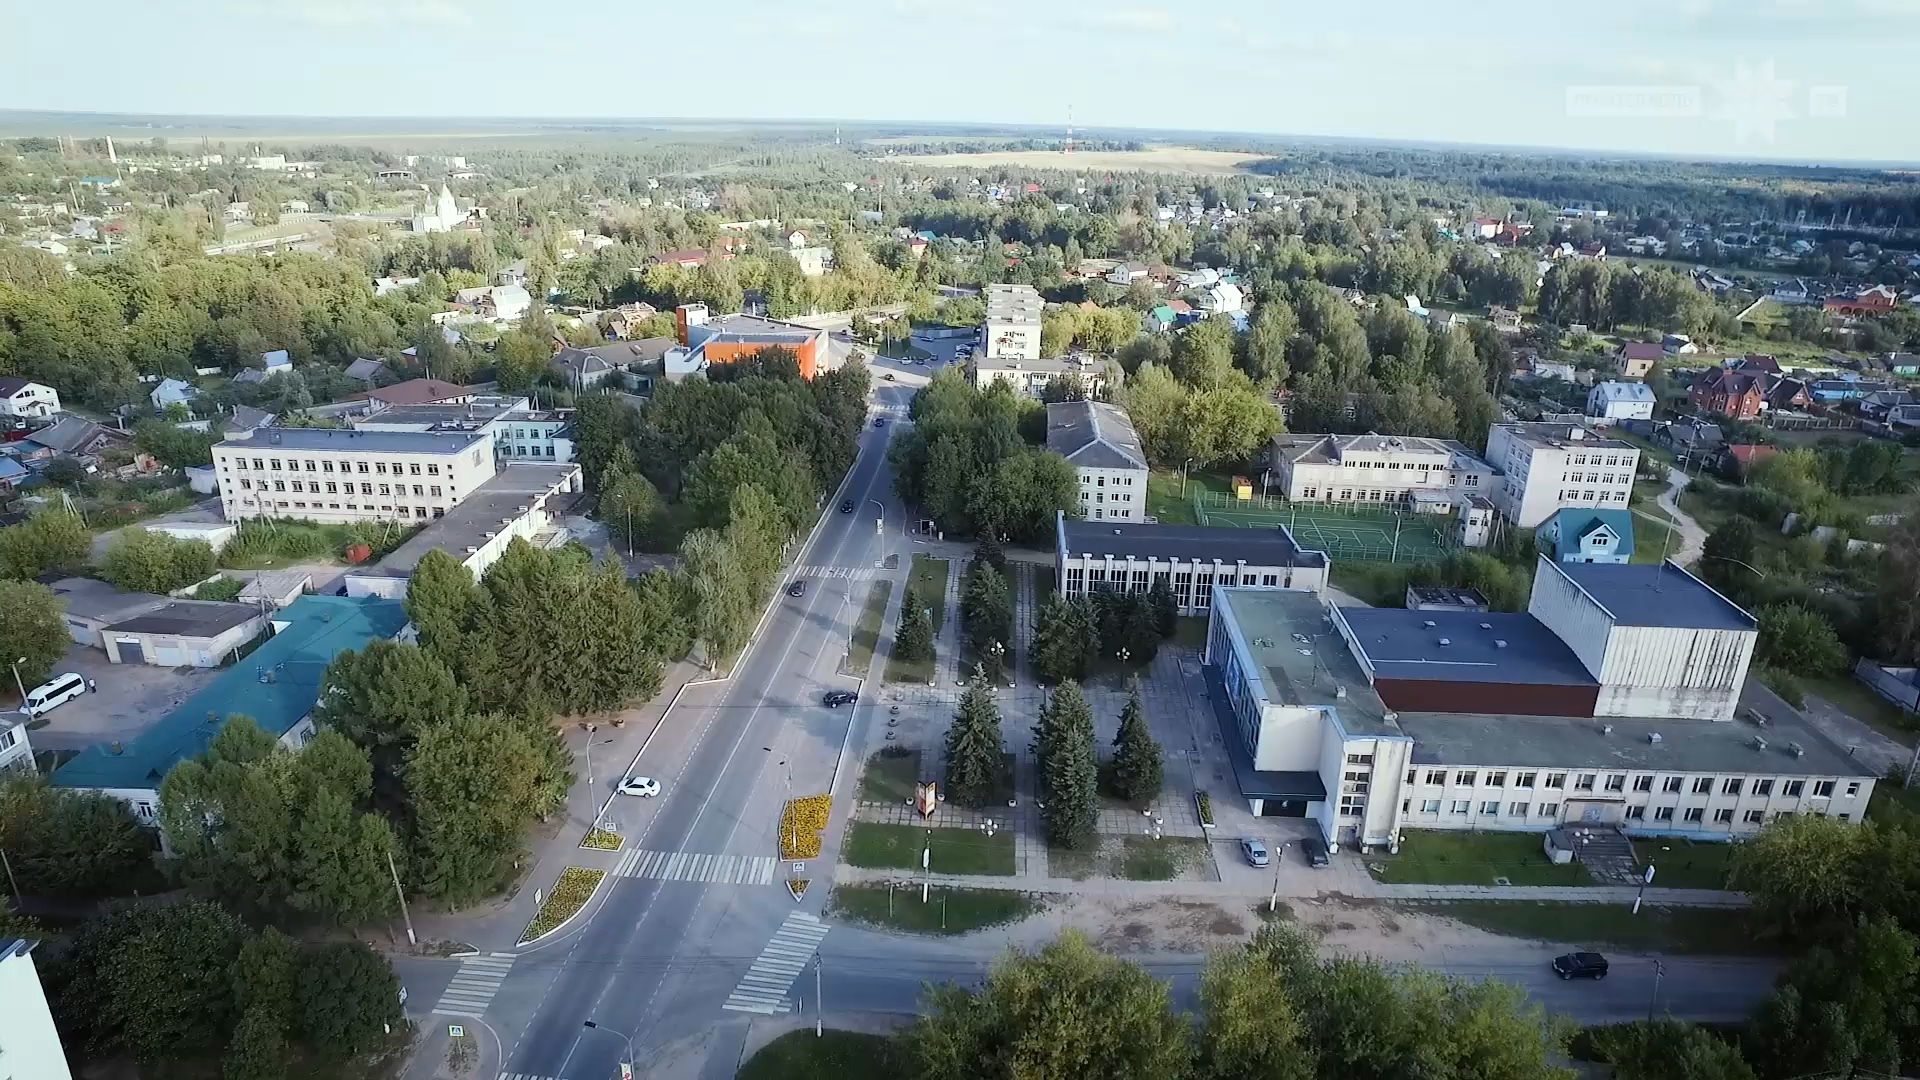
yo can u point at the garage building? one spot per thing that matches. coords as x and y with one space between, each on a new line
184 633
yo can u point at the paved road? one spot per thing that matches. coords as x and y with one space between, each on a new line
659 958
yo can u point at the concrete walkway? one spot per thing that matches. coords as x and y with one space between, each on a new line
1693 538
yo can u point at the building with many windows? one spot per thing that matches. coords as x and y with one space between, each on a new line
1545 466
1012 327
1611 703
342 475
1096 556
1394 470
519 431
520 502
1098 440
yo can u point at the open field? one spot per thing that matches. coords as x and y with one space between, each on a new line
1162 159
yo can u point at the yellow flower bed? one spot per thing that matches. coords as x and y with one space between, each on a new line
569 895
602 840
801 822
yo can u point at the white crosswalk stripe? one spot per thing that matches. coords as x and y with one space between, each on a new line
763 989
706 869
856 573
474 985
526 1076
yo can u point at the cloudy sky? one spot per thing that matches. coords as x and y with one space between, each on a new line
1794 79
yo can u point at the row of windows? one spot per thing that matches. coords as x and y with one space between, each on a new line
333 488
1410 466
1593 496
1490 807
1586 781
1604 459
1101 496
1597 478
521 451
1101 480
325 465
402 511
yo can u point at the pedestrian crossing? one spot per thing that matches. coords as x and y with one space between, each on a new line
764 987
688 866
835 573
474 985
526 1076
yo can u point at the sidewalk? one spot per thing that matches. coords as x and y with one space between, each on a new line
1693 538
1291 885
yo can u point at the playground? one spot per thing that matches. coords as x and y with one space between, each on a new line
1372 535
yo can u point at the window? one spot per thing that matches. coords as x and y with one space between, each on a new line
1663 813
366 489
1853 788
1703 785
1730 786
413 470
1518 809
1429 806
1550 809
1617 782
1492 806
1270 580
386 489
1436 776
256 463
363 468
436 490
326 466
1723 816
332 488
1673 784
1635 813
297 486
1556 779
1466 778
1755 817
1497 779
1696 813
1763 787
379 467
1583 782
433 470
1525 780
275 462
279 485
417 490
1461 806
310 467
1793 788
1643 783
1823 789
1413 776
1352 805
1359 759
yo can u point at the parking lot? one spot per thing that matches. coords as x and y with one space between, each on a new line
127 699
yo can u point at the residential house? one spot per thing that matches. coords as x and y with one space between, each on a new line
1483 228
1098 440
1740 395
1756 362
1128 272
1875 406
393 283
1791 292
13 475
1904 364
367 371
1505 320
1611 402
1678 345
1158 321
1845 389
1222 299
1878 300
25 398
1903 418
629 321
71 435
413 392
276 360
1689 435
584 369
1587 535
1740 458
171 392
503 303
685 259
814 261
1636 358
514 273
1786 393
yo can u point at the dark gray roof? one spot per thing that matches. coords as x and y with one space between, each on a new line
1664 595
399 442
1481 646
1093 434
95 600
246 418
189 618
507 495
1257 547
69 434
365 370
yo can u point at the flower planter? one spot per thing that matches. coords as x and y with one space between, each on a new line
1204 807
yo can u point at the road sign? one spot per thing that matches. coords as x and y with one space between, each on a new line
626 1070
455 1031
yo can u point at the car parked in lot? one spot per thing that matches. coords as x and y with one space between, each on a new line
55 691
1254 851
833 699
1316 852
1580 965
646 787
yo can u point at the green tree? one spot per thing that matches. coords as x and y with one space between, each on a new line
1066 639
1899 575
1250 1027
53 540
154 562
1667 1049
1804 873
381 697
470 780
169 979
1844 1008
976 766
986 610
519 359
721 606
630 507
1266 350
72 844
32 628
1064 1013
913 635
346 998
1136 772
174 446
1800 640
1068 768
257 1050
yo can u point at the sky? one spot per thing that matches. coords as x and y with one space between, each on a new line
1823 80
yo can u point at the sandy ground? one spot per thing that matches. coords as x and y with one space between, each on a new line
1170 925
1166 159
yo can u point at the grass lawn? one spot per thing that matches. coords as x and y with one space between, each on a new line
866 633
1191 631
928 583
1852 697
833 1055
955 851
1442 857
947 911
1707 931
890 778
1652 540
1142 858
1377 583
1683 864
1165 502
1076 863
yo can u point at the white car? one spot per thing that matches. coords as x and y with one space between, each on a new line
55 691
644 786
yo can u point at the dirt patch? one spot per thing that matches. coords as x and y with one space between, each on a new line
1160 159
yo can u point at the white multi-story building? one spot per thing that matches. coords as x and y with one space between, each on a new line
1371 721
24 398
1012 327
1391 469
519 432
1098 440
29 1044
1030 377
1099 556
1547 466
1611 402
341 475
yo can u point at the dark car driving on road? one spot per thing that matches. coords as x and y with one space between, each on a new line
846 506
833 699
1580 965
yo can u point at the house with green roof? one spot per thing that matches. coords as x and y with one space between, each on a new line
276 685
1577 534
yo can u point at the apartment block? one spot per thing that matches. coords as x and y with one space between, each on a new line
346 475
1546 466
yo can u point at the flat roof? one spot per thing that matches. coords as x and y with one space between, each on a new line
1663 595
1326 449
508 495
398 442
1544 435
481 409
1301 657
189 618
1013 303
88 598
1256 547
1463 646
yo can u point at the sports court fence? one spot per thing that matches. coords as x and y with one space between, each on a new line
1366 533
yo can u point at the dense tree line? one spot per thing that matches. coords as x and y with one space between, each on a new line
969 465
143 561
1071 633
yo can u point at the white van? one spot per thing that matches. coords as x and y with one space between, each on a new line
55 691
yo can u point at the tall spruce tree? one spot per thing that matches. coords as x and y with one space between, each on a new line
1136 772
975 765
1069 771
913 638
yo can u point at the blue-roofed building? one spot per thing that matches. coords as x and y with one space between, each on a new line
12 474
276 685
1577 534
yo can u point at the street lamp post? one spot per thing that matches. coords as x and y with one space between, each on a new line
1659 970
626 1067
17 685
1279 859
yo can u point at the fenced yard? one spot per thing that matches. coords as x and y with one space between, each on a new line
1369 534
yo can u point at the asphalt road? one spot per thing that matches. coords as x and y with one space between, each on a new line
656 960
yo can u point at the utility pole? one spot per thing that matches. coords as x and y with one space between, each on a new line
17 685
8 863
397 891
1659 969
591 728
819 1003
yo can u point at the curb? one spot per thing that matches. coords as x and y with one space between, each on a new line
585 905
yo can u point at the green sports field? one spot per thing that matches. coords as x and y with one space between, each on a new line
1370 535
